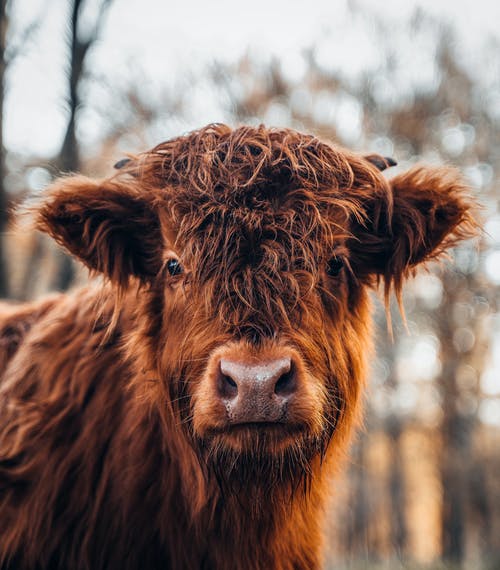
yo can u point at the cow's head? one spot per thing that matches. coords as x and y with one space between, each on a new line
253 250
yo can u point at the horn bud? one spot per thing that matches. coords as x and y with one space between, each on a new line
380 162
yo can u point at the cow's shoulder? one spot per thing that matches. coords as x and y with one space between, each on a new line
16 321
58 340
61 407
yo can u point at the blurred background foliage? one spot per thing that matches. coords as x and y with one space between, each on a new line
422 487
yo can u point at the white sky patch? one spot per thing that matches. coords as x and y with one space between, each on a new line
348 119
492 266
163 40
492 230
489 411
427 287
418 359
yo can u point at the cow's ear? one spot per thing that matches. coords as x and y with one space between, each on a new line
106 224
426 211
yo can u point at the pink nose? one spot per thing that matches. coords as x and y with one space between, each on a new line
255 392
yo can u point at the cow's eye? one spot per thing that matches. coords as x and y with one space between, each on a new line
334 266
174 267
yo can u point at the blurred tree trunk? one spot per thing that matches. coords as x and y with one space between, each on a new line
456 443
357 544
4 288
456 428
482 518
394 429
465 494
480 509
69 154
68 159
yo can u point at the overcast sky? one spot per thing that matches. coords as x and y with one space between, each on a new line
165 40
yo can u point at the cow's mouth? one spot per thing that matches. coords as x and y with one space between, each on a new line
258 436
259 427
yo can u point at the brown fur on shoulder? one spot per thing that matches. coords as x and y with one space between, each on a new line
190 413
15 323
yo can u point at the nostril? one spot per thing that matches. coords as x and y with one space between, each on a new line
230 381
228 388
286 383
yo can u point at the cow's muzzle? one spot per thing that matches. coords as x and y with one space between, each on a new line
254 391
248 391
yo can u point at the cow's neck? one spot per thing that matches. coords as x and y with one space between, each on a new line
240 521
168 479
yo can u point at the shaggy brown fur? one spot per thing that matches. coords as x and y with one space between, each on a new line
115 452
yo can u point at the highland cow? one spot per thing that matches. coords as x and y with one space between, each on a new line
188 410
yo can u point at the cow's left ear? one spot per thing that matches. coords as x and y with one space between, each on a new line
426 211
109 225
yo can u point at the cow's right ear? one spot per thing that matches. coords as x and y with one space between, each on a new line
106 224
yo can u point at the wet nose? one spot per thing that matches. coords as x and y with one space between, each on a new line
256 391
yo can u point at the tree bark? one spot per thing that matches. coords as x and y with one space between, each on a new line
456 430
394 429
69 157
